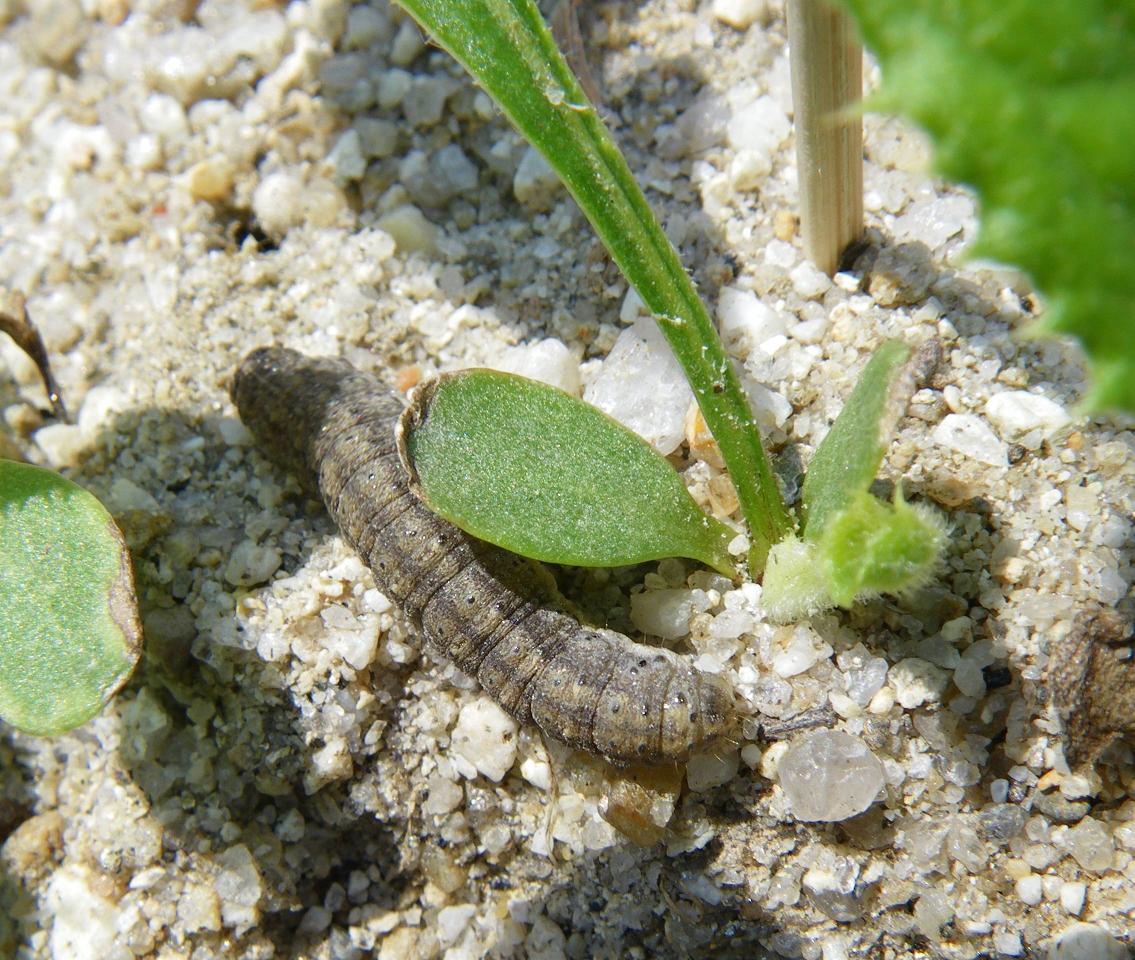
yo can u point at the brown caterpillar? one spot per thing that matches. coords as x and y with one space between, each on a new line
496 615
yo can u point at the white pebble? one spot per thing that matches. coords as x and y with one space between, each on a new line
445 796
250 564
407 43
934 221
797 649
452 921
1086 941
745 321
277 202
712 769
642 386
548 361
1014 413
409 228
969 679
1072 895
739 14
346 157
82 922
666 613
748 169
779 253
971 437
808 281
164 117
1030 890
238 887
882 702
916 681
62 443
485 736
760 127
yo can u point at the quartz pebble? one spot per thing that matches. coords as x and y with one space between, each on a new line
1072 896
970 436
1090 842
238 887
1029 890
410 229
452 921
829 775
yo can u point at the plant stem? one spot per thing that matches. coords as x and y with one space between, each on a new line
827 80
506 46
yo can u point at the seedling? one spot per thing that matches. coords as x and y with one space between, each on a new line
506 46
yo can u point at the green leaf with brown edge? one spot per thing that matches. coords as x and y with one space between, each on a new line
539 472
1031 104
847 460
69 629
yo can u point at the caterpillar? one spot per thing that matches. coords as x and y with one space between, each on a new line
497 616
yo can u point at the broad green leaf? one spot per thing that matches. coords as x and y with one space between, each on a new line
507 48
69 629
871 547
1032 105
847 459
534 470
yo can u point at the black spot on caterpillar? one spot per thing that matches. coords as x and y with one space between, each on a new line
496 615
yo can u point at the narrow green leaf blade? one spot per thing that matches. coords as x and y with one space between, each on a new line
1032 106
508 49
848 458
69 629
871 547
537 471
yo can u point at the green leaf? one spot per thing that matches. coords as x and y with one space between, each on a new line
69 629
1032 105
847 459
506 46
867 548
872 547
534 470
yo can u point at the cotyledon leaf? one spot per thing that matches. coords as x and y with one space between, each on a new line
534 470
848 458
1031 104
855 546
69 629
